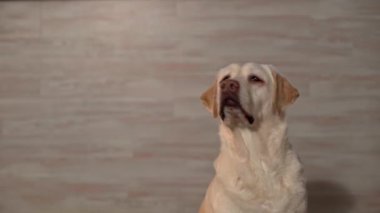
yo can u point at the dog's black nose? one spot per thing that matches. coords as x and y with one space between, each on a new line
230 85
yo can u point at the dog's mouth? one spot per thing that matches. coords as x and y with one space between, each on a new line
233 102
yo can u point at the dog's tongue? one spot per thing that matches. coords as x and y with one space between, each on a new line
230 102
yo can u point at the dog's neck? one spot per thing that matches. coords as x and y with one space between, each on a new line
260 159
264 147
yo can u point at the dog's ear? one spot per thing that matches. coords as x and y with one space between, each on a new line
209 99
285 93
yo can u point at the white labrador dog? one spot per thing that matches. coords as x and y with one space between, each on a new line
256 170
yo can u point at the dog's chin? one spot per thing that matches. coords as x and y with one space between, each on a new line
235 117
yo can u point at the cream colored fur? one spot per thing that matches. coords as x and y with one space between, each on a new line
257 169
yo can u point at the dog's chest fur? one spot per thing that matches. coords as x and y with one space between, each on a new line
257 172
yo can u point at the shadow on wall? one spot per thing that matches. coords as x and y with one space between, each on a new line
328 197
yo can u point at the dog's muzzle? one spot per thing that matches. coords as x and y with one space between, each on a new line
230 98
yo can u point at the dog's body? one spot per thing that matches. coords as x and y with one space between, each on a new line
256 170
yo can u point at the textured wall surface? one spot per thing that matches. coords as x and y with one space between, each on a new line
100 110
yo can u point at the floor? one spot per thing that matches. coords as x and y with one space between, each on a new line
100 110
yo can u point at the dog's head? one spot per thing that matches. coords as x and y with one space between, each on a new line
242 96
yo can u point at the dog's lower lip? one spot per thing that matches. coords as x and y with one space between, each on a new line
230 102
250 119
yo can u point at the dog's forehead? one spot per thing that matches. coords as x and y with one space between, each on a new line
252 68
262 70
232 70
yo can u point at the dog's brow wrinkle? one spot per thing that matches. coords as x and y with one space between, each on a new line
225 78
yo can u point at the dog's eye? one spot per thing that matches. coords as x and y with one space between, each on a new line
255 79
225 78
